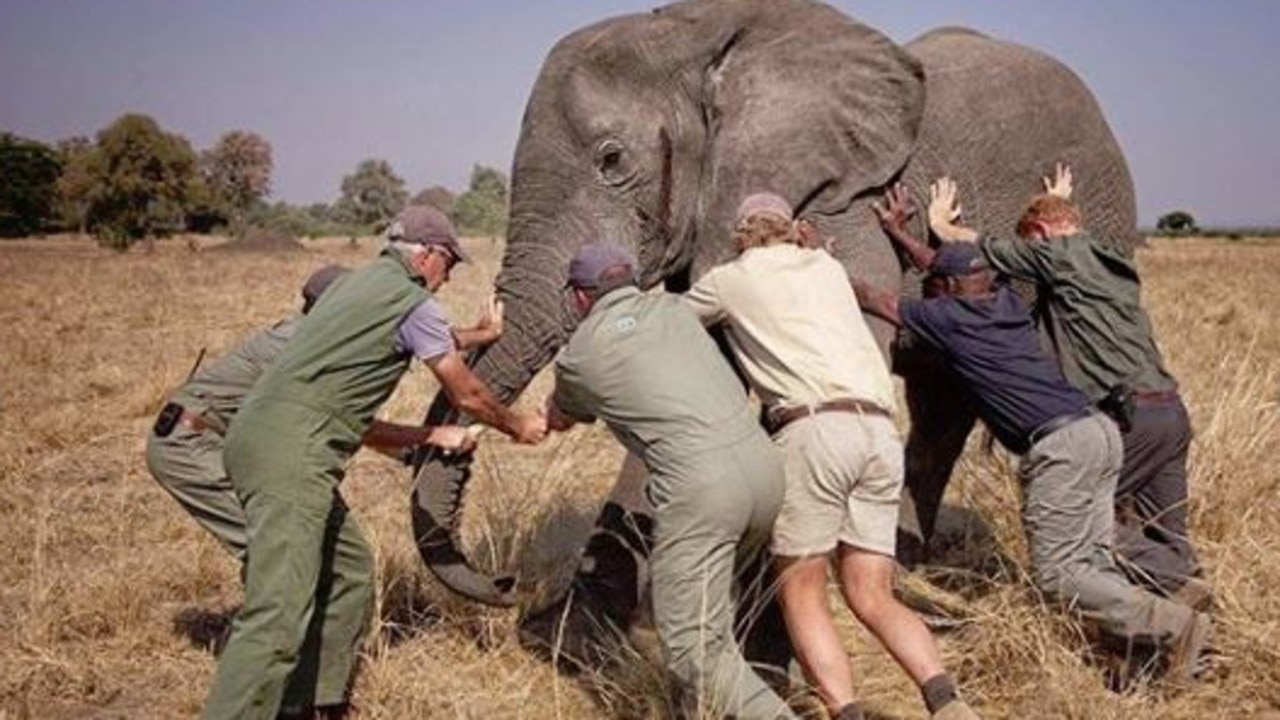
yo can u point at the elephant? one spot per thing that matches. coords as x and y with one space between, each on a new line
648 129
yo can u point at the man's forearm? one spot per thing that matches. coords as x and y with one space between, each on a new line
479 403
877 302
950 232
470 395
921 255
391 437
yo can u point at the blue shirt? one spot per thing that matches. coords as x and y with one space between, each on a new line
993 344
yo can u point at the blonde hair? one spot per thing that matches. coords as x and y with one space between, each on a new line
1050 211
763 230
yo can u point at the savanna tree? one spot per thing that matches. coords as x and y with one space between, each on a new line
28 190
237 173
371 195
438 197
143 176
76 184
1177 222
482 209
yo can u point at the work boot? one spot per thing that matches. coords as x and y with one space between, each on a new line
1189 654
955 710
849 712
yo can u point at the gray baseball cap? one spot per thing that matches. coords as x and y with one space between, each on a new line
593 259
765 203
320 281
425 225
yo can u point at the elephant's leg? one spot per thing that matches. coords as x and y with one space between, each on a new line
942 414
592 617
610 592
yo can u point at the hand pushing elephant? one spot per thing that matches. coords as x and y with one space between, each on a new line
649 129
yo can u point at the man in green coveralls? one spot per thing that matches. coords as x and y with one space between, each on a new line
643 364
309 575
184 448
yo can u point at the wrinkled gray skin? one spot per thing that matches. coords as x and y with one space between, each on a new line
649 129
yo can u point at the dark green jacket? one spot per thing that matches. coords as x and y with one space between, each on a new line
1091 310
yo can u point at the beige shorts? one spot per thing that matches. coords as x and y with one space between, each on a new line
844 484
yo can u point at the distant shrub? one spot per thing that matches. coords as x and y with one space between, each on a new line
1177 222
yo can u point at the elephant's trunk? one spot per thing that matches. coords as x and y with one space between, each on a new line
536 325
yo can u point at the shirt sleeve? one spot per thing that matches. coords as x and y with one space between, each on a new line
1015 258
571 397
704 300
928 319
425 333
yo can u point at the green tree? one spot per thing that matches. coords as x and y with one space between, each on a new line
437 197
28 192
482 209
237 173
371 195
76 185
144 177
1177 222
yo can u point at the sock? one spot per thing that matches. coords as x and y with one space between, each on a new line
938 691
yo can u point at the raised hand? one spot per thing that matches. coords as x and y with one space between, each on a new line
490 324
1060 183
945 210
944 203
897 208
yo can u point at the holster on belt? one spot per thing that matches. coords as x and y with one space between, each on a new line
1118 405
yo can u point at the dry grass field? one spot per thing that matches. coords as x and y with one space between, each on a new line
111 598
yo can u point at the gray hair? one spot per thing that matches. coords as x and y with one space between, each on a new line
406 250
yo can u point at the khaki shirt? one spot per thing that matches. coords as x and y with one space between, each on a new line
643 365
795 325
1091 308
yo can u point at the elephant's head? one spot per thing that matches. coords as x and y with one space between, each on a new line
648 130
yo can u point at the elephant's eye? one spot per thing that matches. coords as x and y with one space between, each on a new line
611 162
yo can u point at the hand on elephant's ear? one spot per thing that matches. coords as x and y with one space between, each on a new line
810 105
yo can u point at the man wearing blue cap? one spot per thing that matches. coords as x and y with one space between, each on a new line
1069 454
643 364
1091 312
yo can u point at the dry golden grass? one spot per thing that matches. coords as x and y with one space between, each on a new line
110 597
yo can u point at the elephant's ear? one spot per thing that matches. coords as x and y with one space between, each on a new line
807 103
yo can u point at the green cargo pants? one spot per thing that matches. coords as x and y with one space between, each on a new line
309 576
188 464
710 521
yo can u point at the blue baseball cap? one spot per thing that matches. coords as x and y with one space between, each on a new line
957 259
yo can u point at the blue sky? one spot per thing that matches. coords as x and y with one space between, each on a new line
1191 88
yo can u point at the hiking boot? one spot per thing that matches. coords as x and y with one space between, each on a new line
955 710
1189 654
1195 594
849 712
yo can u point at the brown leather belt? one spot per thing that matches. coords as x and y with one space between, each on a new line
200 423
1155 396
782 416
